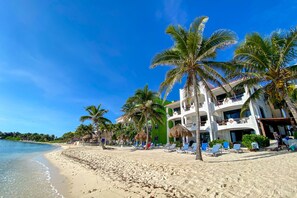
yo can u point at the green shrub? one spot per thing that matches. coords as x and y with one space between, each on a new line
295 135
260 139
218 141
171 139
170 124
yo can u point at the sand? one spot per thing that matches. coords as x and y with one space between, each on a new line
124 172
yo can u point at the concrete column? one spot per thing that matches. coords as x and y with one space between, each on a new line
209 117
254 111
167 126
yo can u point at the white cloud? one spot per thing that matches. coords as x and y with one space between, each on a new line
173 12
40 73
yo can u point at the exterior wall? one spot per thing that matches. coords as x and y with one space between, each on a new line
224 135
160 132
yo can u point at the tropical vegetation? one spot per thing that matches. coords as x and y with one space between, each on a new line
17 136
262 141
143 107
96 116
271 63
192 58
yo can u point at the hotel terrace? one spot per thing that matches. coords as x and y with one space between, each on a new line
220 118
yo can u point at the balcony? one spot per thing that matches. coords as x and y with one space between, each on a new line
236 123
191 109
236 101
193 127
176 115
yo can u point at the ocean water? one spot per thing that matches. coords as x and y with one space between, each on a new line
24 172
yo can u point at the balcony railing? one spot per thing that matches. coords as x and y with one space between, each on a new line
227 100
233 120
192 107
194 124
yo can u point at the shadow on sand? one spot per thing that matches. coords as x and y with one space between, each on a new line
262 154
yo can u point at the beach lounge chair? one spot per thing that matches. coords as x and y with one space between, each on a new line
171 148
152 146
292 144
183 149
204 147
236 148
192 150
166 146
226 145
148 146
214 151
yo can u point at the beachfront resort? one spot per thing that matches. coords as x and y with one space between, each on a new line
242 131
207 108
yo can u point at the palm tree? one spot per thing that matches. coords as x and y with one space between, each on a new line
96 116
132 116
267 62
145 108
192 57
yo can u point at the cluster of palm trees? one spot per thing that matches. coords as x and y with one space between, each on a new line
99 122
143 107
269 62
265 61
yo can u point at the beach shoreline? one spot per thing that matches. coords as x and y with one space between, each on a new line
59 182
123 172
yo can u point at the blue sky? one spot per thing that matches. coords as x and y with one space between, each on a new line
57 57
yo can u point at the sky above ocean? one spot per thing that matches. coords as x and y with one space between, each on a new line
57 57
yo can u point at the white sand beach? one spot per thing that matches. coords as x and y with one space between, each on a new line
122 172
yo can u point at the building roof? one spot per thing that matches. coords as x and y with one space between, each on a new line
172 104
277 121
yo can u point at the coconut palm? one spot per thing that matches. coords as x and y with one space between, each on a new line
267 61
147 107
96 116
132 116
192 57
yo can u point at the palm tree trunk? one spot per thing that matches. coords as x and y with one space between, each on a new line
147 133
196 101
292 107
99 136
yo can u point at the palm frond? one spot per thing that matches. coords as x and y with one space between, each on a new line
172 76
198 25
166 58
179 35
218 40
253 97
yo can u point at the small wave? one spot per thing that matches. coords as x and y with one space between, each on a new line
48 178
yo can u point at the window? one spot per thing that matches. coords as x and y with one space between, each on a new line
235 114
221 97
177 122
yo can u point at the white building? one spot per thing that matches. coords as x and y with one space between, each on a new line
219 118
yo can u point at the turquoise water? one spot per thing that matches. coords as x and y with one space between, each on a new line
24 172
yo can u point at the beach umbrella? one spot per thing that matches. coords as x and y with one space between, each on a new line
179 131
137 136
86 137
141 136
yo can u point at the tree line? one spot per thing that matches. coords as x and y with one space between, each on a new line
17 136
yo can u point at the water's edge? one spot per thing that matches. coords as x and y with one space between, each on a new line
58 181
